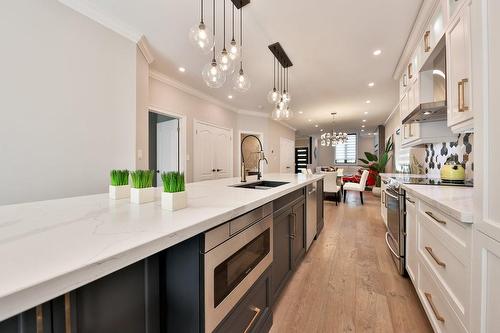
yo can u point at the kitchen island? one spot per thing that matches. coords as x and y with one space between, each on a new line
50 248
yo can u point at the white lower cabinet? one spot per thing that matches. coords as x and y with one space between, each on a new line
411 238
383 207
485 284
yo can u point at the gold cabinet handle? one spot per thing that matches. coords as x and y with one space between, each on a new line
410 70
435 218
461 96
433 307
427 46
254 318
67 312
436 259
39 318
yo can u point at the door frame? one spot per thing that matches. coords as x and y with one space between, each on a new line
182 133
195 147
282 138
258 134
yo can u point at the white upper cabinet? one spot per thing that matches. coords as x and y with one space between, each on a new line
458 57
453 6
433 33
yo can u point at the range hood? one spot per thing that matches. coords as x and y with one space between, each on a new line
432 90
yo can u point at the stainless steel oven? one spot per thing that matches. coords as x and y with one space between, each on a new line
236 254
395 235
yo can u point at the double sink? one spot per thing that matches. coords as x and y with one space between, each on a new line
261 185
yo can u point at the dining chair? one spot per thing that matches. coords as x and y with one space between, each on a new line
330 185
357 187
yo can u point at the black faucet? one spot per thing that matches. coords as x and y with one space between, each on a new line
262 157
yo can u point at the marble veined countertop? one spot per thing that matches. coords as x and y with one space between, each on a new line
48 248
456 201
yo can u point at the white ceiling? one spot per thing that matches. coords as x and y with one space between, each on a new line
330 42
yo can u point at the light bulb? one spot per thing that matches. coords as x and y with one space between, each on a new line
199 37
225 62
241 82
288 113
281 105
277 114
273 96
234 50
286 97
213 76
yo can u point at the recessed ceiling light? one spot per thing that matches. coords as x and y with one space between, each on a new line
321 130
427 113
371 84
366 112
363 126
309 120
362 130
368 102
377 52
182 69
316 125
364 120
230 96
301 112
369 134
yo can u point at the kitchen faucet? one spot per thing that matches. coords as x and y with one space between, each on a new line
262 157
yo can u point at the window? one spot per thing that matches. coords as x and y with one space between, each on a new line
346 153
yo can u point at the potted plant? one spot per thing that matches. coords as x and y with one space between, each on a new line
119 187
142 190
174 191
378 166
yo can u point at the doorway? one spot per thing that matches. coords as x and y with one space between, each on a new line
164 145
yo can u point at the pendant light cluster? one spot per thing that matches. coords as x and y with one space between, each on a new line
225 62
334 138
279 95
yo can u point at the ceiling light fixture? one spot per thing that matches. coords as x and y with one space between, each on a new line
309 120
362 130
198 35
363 126
225 62
371 84
280 95
364 120
213 76
234 50
334 138
368 102
366 112
230 96
301 112
316 125
377 52
274 95
241 81
182 69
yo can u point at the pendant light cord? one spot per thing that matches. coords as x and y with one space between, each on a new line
233 21
241 38
274 73
224 35
213 22
201 12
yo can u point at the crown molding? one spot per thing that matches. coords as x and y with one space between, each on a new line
418 28
253 113
87 9
146 51
286 125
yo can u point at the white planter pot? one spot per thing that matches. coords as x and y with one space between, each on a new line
119 192
142 195
174 201
376 191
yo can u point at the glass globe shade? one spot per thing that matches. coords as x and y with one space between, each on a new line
234 50
225 62
281 105
200 38
273 96
286 97
277 114
213 76
288 113
241 82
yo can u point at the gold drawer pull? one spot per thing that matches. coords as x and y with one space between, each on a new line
255 316
436 259
433 307
461 96
435 218
39 319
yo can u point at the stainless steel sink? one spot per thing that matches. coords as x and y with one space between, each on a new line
261 185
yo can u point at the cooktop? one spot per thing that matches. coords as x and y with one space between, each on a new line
433 181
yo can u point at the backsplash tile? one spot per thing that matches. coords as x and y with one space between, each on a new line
461 151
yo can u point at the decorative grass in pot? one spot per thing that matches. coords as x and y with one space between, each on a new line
174 191
142 190
119 187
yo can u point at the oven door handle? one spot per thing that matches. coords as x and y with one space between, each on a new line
392 196
389 245
255 316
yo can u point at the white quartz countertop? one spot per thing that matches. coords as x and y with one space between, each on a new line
456 201
48 248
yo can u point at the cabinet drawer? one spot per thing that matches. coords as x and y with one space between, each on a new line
448 230
252 314
448 271
439 312
285 200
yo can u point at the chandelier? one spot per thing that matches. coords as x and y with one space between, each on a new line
334 138
279 95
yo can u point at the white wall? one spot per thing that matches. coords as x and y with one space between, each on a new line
67 102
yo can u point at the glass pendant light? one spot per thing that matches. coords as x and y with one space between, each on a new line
274 95
234 49
288 113
224 60
241 81
277 114
198 35
213 76
286 93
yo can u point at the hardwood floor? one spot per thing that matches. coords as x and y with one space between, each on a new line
347 281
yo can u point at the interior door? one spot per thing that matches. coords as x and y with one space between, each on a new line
203 159
287 160
223 145
167 147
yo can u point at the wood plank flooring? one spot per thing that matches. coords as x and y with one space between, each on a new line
347 281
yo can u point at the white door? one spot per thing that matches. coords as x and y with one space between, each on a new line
287 160
223 153
167 147
213 150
